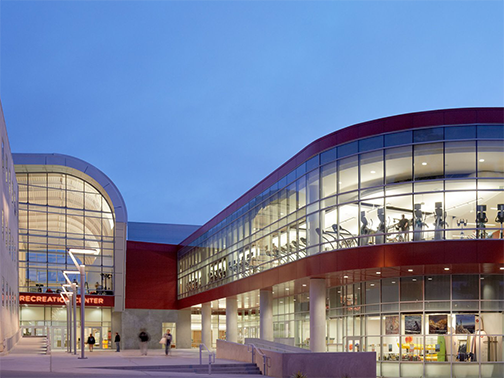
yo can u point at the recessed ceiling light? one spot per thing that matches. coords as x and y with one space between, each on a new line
424 163
481 160
410 270
446 268
378 272
373 172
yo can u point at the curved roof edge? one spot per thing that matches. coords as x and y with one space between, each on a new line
74 163
401 122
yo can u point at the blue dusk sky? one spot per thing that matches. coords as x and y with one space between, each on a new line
186 105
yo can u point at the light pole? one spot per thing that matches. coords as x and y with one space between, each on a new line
73 288
67 304
82 271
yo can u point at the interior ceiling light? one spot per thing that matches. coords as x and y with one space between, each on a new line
378 272
501 268
446 268
345 276
287 288
424 163
373 172
481 160
410 270
304 285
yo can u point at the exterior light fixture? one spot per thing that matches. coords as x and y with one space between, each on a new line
82 271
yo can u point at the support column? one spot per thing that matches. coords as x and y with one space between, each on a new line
266 315
317 315
184 329
206 324
232 319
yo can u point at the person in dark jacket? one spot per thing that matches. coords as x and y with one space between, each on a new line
117 341
144 338
91 342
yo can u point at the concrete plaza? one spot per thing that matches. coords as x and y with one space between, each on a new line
26 360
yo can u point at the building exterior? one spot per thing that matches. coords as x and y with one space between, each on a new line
9 310
385 236
67 203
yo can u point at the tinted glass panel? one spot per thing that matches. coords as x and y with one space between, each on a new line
347 149
460 132
491 132
428 135
465 287
371 143
397 139
328 156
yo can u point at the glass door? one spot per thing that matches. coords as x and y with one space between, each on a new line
58 337
353 344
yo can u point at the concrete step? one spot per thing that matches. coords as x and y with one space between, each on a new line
245 368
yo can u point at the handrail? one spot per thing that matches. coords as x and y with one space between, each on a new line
211 357
266 359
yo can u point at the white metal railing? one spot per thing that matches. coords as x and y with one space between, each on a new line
266 360
211 357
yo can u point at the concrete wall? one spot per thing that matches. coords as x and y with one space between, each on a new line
313 365
135 319
9 300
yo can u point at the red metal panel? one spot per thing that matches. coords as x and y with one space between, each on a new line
460 116
371 128
490 115
151 275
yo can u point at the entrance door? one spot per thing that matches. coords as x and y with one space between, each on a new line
353 344
58 337
101 341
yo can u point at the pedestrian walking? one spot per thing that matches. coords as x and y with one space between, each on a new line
117 341
168 336
144 338
91 342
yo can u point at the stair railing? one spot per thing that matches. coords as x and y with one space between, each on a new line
265 359
211 357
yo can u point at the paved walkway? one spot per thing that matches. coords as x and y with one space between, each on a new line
26 360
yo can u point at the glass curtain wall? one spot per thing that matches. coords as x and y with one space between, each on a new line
432 326
56 212
428 184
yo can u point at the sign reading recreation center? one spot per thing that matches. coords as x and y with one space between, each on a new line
55 299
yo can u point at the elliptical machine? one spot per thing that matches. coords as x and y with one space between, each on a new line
500 218
418 225
440 221
481 220
364 231
380 238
